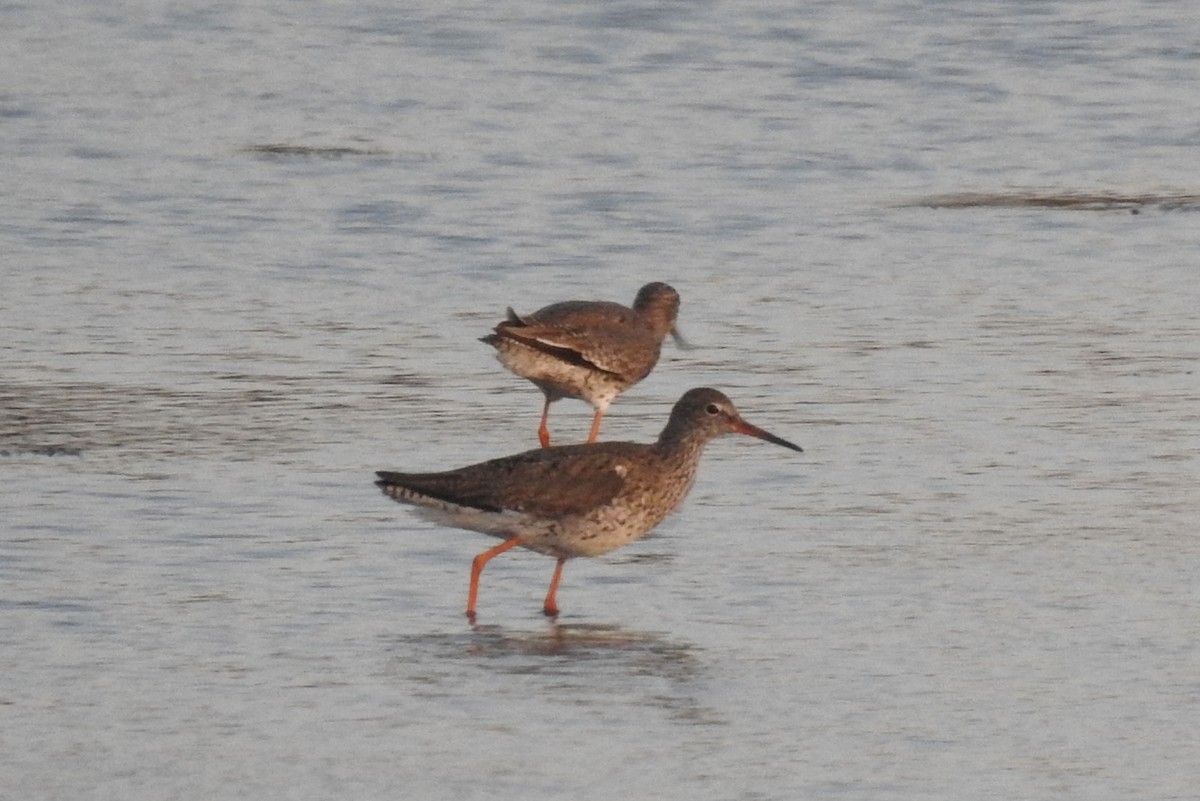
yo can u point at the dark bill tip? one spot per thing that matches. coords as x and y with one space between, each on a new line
680 341
742 427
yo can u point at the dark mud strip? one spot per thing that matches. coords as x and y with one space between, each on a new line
69 419
310 151
1083 201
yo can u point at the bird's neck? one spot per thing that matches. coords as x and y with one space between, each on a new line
679 443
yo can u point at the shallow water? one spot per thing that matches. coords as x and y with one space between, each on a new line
247 255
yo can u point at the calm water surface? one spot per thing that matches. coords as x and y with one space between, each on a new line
248 250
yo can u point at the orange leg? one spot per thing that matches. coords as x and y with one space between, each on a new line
477 569
595 426
551 605
543 429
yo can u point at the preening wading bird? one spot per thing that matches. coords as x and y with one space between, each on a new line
591 350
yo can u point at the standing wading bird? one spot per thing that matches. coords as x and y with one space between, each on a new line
591 350
575 500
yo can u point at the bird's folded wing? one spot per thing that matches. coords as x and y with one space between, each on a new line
541 483
599 349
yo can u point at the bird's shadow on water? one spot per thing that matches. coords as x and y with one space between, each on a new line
582 664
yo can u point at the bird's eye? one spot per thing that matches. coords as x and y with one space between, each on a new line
712 408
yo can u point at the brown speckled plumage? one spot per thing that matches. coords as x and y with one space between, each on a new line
575 500
591 350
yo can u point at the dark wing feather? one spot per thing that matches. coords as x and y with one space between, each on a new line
559 347
555 482
587 342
